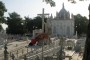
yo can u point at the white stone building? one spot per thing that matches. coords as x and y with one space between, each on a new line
62 24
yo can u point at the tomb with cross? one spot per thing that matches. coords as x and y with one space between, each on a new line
44 22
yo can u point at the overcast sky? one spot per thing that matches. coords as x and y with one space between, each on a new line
33 7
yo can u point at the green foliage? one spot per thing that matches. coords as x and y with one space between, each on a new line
1 27
15 24
32 24
75 1
2 11
38 22
51 2
81 24
28 24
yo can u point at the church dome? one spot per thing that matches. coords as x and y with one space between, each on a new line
63 14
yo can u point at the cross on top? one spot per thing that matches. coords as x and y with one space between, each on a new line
43 22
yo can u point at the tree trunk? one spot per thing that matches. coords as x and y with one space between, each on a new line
86 55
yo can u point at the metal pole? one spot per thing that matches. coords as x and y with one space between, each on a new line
43 20
43 30
42 50
61 50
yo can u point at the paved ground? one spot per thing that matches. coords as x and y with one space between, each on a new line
69 52
14 47
19 46
76 57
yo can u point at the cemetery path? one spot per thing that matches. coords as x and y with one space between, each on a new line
13 47
76 57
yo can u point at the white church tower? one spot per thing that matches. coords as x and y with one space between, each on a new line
62 24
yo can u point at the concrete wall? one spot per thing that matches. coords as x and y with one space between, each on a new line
63 27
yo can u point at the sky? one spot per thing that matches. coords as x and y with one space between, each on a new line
33 7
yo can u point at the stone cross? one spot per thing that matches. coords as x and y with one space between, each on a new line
43 22
44 29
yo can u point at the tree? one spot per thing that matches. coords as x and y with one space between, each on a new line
51 2
37 22
2 11
29 24
1 28
32 24
86 55
81 24
15 24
